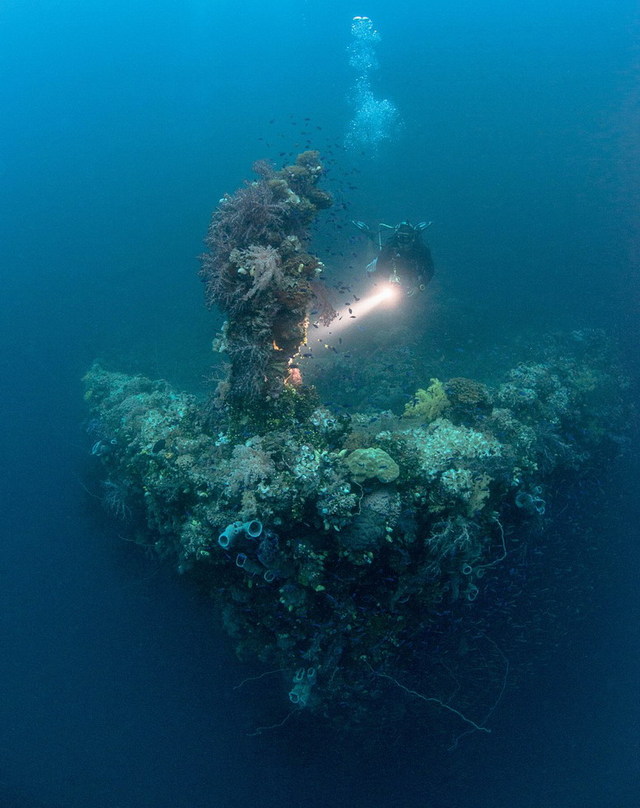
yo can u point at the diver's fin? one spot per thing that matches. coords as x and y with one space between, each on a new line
361 226
364 227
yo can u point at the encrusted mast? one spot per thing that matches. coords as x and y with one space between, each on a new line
258 272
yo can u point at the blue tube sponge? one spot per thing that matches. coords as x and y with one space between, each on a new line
303 681
252 528
230 534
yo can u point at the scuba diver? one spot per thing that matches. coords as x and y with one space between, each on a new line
404 258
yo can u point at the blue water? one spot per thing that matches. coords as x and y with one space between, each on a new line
122 125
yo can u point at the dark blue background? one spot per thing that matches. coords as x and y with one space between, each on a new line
122 124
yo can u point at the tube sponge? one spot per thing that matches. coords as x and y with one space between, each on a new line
232 532
303 681
253 528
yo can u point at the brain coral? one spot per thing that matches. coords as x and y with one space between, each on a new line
365 464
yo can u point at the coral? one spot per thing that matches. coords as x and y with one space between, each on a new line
367 464
521 437
480 494
336 501
253 215
378 516
115 499
456 536
444 446
349 552
349 573
465 394
461 489
262 264
427 405
534 391
250 467
258 273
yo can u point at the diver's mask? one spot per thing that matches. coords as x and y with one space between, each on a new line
405 234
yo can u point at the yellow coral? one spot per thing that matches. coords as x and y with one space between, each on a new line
480 494
427 405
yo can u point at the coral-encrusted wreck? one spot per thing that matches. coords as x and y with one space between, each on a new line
358 555
258 271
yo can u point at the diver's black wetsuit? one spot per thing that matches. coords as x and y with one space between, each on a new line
408 262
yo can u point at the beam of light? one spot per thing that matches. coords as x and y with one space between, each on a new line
388 294
322 338
385 295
